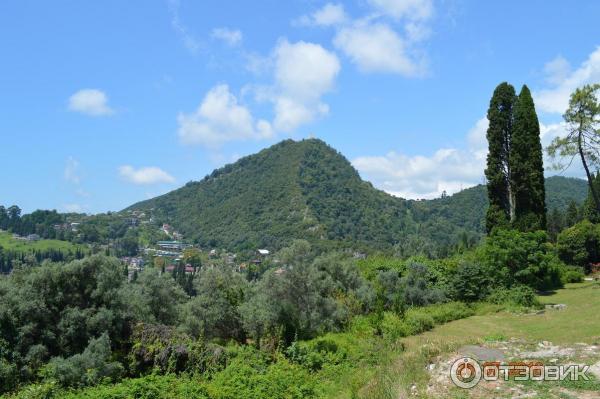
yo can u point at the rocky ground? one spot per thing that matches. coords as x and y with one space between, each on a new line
507 350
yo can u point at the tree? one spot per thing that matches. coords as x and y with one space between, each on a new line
3 218
498 172
214 313
556 222
583 136
526 166
589 210
573 215
580 245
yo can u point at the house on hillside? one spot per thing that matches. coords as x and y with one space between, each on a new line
263 252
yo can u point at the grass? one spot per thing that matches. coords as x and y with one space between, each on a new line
8 243
579 322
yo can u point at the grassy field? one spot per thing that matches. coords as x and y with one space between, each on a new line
577 324
8 243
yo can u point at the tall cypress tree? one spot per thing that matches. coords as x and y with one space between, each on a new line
497 172
526 166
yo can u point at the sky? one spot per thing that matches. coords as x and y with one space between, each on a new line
103 104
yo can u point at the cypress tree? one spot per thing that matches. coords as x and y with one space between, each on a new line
497 172
526 166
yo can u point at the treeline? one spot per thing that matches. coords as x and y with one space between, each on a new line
10 258
40 222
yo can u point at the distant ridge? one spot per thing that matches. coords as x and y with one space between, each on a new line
306 189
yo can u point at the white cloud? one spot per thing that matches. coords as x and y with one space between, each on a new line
373 41
408 9
229 36
557 70
556 99
304 72
375 47
73 208
447 169
189 40
330 15
71 172
147 175
220 118
419 176
91 102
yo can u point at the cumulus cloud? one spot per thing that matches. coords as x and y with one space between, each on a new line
147 175
304 72
375 47
220 118
330 15
230 36
420 176
71 173
564 81
373 42
92 102
447 169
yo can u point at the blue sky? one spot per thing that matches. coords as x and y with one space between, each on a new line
106 103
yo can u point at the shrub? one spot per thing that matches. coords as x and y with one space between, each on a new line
517 258
88 368
313 355
520 295
470 283
571 274
580 245
418 291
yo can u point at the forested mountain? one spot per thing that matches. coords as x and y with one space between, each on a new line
308 190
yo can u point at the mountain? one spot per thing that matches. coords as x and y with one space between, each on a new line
306 189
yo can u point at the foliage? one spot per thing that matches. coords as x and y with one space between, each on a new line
88 368
583 136
498 170
519 295
213 313
571 274
513 258
580 245
527 168
471 282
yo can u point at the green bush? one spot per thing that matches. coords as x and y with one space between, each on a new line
88 368
517 258
580 245
571 274
520 296
314 354
421 319
471 282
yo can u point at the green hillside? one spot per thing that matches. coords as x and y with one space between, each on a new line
308 190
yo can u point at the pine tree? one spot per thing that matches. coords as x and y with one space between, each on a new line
497 173
526 166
